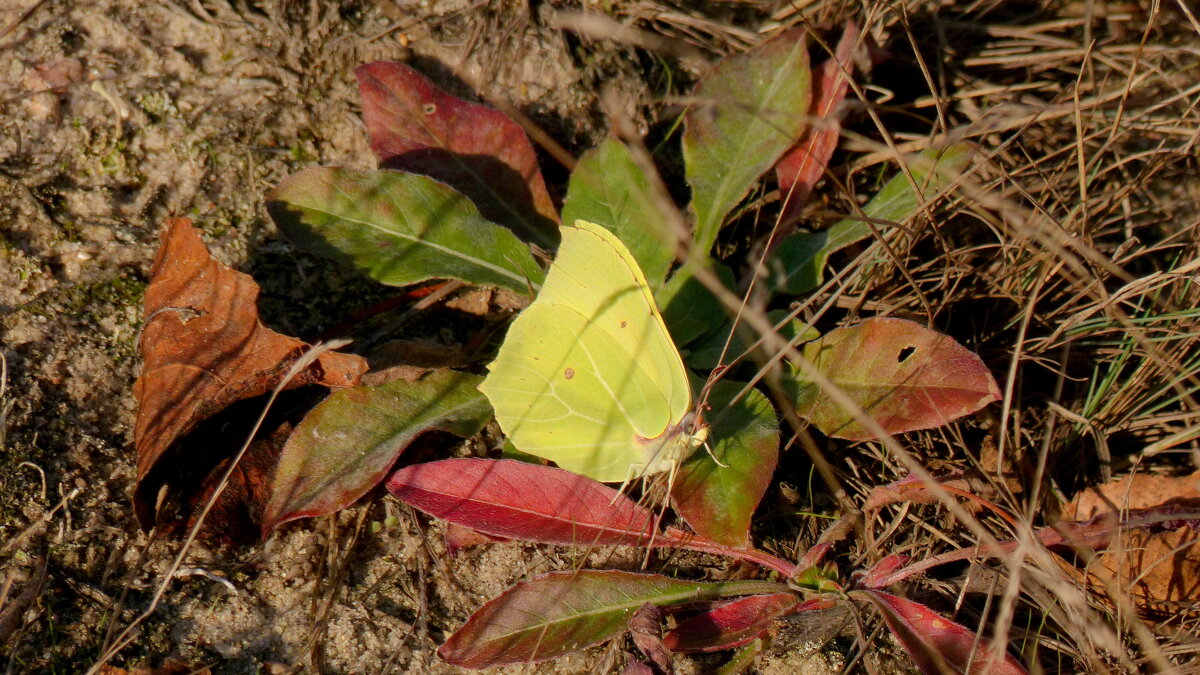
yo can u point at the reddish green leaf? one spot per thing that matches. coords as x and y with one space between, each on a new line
798 265
480 152
751 109
347 444
938 645
516 500
730 624
563 612
800 169
904 375
399 228
610 189
717 493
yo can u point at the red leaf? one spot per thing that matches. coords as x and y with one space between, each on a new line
938 645
877 576
906 376
516 500
730 624
204 349
459 537
800 169
645 627
1151 553
417 127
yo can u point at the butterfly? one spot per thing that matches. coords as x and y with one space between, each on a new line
588 376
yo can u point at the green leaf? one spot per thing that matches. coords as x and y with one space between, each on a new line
399 228
717 493
905 376
348 443
798 265
707 353
609 189
563 612
689 309
752 109
743 660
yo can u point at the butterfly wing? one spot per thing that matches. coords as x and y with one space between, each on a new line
596 275
588 376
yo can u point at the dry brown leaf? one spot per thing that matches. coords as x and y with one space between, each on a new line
1161 570
1135 491
476 301
203 349
1159 566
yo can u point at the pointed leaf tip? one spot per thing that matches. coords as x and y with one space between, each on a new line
752 109
936 644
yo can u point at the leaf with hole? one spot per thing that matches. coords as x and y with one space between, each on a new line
905 376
